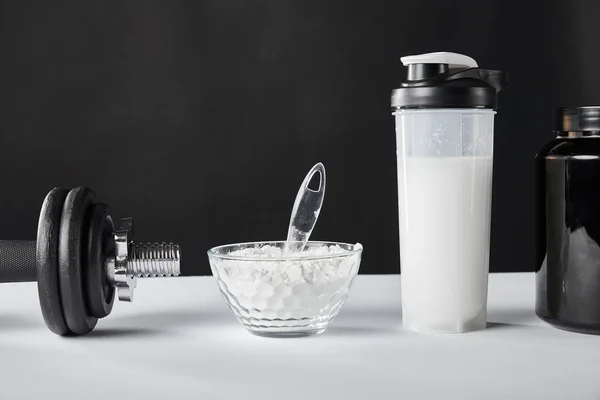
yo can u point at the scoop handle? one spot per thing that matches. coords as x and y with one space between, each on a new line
305 213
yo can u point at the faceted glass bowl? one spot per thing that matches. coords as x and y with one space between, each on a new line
285 296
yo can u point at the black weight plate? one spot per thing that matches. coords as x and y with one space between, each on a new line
99 294
46 259
70 247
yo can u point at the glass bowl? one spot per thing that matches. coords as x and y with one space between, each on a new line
285 296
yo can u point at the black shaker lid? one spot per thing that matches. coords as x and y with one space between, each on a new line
577 119
447 80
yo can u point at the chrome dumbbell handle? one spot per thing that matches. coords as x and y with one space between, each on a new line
141 260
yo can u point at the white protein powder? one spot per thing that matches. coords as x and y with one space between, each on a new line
274 289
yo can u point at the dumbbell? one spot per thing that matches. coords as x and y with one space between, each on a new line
79 261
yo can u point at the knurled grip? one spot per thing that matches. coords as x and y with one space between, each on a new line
17 261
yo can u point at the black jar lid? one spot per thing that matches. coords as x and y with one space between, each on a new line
577 119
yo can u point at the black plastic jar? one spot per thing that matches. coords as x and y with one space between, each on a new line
567 197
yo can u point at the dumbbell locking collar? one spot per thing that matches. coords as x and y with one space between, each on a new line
117 265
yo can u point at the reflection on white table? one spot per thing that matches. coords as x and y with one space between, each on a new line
178 340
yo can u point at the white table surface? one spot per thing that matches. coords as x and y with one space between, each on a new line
178 340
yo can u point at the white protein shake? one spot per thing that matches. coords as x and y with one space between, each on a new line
445 213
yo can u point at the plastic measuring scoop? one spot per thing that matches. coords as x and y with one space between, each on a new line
305 213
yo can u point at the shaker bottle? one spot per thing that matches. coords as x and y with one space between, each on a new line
444 114
567 200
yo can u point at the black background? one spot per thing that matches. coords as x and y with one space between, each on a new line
201 118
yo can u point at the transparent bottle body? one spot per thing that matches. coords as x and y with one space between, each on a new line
445 161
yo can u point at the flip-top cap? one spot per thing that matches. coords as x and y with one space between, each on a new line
447 80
